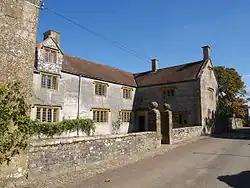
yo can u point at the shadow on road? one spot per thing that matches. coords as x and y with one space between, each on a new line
240 180
222 154
243 134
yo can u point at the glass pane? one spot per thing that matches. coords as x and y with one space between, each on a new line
54 83
49 118
96 89
43 83
102 114
46 58
105 116
123 93
94 115
172 92
55 115
44 112
49 82
54 57
38 113
98 116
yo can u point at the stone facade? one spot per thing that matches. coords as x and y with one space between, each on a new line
208 95
186 99
49 158
193 102
18 27
181 134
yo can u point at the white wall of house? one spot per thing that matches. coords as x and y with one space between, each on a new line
67 97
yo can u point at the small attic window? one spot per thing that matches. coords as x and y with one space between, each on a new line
210 68
50 56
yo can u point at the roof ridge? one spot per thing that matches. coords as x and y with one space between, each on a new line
200 61
98 63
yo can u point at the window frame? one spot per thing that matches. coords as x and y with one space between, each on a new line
168 92
210 93
44 111
49 79
180 118
51 55
100 115
126 93
100 88
125 116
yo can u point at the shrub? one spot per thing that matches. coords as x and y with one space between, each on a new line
57 128
14 123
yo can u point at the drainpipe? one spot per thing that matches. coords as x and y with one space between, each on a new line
78 101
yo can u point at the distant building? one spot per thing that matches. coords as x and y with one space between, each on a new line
67 87
247 112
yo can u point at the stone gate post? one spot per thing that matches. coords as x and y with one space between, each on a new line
154 118
166 124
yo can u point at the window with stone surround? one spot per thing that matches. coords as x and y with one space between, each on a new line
100 115
210 93
180 118
127 92
47 114
168 92
50 56
125 115
100 88
49 81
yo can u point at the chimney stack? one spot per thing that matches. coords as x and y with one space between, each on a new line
52 34
206 52
154 65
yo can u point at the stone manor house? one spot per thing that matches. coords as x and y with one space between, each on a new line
67 87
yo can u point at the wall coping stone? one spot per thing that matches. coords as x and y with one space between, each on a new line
194 126
70 140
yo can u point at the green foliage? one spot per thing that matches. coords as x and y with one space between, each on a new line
231 92
16 128
14 122
57 128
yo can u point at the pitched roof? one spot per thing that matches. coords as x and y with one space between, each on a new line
90 69
173 74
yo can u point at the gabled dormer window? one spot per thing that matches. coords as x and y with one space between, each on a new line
50 56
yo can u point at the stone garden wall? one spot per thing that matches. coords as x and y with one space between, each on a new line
235 123
181 134
51 157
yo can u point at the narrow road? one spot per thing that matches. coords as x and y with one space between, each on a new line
211 162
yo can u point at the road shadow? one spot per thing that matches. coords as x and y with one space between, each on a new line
240 180
243 134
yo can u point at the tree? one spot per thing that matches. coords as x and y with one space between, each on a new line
232 92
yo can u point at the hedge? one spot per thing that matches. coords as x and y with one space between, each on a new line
57 128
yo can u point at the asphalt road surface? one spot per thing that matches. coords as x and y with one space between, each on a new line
211 162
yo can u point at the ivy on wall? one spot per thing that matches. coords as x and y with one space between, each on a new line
57 128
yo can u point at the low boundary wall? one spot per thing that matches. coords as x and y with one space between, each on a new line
51 157
181 134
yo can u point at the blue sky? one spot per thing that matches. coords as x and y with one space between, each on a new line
172 31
